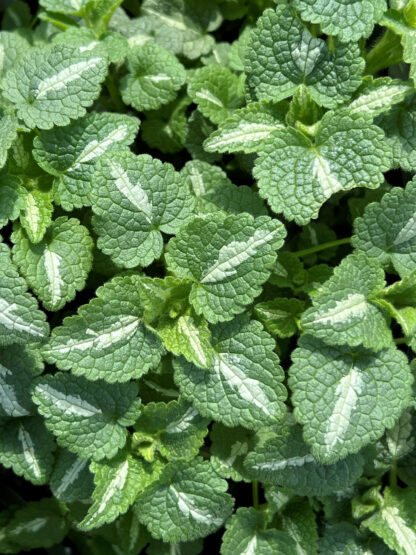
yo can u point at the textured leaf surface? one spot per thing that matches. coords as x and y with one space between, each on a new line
58 266
347 20
20 319
245 534
345 397
229 446
36 214
297 176
11 198
107 340
70 153
344 310
176 430
54 88
282 54
71 479
155 75
89 418
187 502
376 96
146 197
387 230
287 461
244 384
227 258
299 521
280 316
26 446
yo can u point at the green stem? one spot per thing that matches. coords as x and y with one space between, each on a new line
387 52
400 341
114 93
323 246
255 488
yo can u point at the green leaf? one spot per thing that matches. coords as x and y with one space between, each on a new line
243 386
71 479
176 430
298 519
37 524
54 86
347 20
247 128
402 25
89 418
345 398
216 91
70 153
214 191
58 266
297 176
280 316
341 538
345 310
26 446
287 461
125 535
386 231
36 215
155 75
12 196
376 96
187 502
282 54
9 125
111 45
184 548
12 46
18 367
399 438
245 533
147 197
117 484
68 7
227 258
199 128
229 446
107 340
303 108
20 319
395 521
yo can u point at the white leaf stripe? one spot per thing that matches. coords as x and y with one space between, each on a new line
12 321
234 254
321 171
71 405
188 507
70 476
61 79
404 534
241 135
183 422
52 262
30 527
251 547
29 451
133 192
353 306
205 94
96 148
8 398
285 463
192 335
158 78
407 233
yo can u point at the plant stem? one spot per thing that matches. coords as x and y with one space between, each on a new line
323 246
400 340
387 52
255 488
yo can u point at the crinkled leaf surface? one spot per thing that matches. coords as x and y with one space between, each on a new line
243 386
387 230
187 502
155 75
12 196
36 215
280 316
20 319
54 86
227 258
71 479
287 461
107 339
347 20
299 521
345 397
297 176
146 197
345 311
70 153
89 418
376 96
56 267
282 54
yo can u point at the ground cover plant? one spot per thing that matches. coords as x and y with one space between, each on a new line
208 277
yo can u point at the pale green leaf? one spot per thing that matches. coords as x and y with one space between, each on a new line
36 214
376 96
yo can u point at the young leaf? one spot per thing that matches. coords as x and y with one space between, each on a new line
36 215
297 176
147 197
26 446
376 96
107 340
282 54
243 386
89 418
70 153
345 398
345 310
155 75
288 462
227 258
280 316
71 479
229 446
51 87
187 502
347 20
245 533
176 430
20 319
387 230
58 266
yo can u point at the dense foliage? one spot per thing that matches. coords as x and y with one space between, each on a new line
208 277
